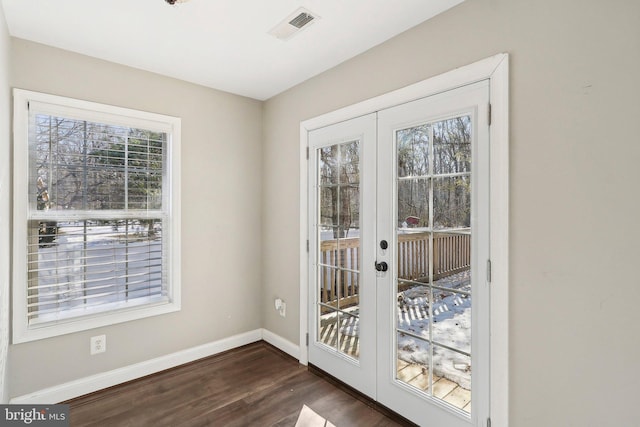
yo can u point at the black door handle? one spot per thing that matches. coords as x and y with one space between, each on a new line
381 266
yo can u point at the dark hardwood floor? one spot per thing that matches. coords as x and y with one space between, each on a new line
255 385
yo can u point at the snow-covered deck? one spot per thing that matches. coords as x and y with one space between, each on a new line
417 375
451 328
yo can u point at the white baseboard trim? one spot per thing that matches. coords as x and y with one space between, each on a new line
103 380
280 343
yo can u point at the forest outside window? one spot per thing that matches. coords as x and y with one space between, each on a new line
96 215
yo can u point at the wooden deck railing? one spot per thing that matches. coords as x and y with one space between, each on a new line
340 283
451 255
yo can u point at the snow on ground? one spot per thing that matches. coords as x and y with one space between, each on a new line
451 327
120 268
350 326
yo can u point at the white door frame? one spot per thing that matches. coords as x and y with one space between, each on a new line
496 70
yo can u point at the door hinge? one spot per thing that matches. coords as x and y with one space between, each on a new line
488 117
307 153
488 271
307 245
488 422
307 339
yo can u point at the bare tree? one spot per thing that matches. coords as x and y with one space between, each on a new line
82 165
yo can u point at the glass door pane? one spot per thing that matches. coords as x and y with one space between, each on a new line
339 246
433 287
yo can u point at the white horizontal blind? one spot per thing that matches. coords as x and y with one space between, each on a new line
96 214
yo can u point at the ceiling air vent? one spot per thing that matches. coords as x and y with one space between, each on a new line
293 24
301 20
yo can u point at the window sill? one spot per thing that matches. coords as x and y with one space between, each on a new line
92 319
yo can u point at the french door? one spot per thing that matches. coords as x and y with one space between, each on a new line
399 243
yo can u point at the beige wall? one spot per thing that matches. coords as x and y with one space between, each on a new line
5 200
574 281
221 223
574 173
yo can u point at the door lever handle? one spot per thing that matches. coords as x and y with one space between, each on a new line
381 266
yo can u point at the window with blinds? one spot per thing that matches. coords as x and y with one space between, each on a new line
99 226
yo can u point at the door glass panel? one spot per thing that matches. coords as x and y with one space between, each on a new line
413 362
328 165
339 262
452 320
454 372
413 203
328 289
328 210
452 260
452 202
350 162
433 290
413 151
452 145
349 216
349 333
413 307
413 256
328 326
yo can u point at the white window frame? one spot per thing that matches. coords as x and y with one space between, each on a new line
496 70
85 110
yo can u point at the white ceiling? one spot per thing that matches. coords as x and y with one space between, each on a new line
223 44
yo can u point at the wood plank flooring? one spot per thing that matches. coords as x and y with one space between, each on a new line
254 385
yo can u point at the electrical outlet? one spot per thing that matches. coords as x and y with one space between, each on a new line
281 307
98 344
